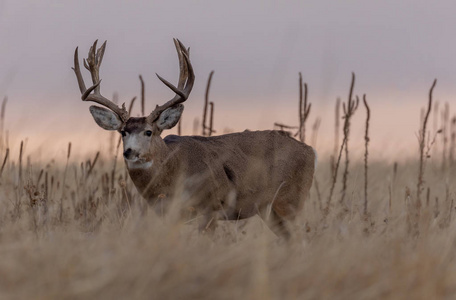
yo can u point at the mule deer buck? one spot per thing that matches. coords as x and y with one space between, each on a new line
230 177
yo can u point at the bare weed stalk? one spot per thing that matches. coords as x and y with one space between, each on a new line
348 112
452 141
392 188
422 143
179 126
336 134
445 120
206 103
304 109
349 109
334 177
143 96
4 161
435 123
130 108
92 164
2 123
366 153
211 119
64 183
20 163
284 127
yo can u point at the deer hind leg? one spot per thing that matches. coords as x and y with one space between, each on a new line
284 210
280 226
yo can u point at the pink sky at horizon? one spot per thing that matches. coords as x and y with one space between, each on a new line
393 128
257 48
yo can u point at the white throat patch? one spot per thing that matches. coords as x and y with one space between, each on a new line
136 164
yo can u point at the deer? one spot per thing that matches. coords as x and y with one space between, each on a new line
225 177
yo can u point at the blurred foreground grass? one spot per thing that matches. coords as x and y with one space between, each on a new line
72 233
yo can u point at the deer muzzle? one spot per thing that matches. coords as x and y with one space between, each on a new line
130 154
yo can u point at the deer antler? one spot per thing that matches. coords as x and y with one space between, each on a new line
92 63
184 86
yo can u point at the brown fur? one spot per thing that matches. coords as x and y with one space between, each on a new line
255 168
135 125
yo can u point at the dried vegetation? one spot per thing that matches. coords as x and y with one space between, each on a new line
80 231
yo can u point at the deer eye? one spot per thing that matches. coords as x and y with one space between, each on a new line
123 133
148 133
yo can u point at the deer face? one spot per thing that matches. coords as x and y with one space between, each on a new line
138 139
140 136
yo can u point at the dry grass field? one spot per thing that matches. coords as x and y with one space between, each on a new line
68 232
80 230
379 221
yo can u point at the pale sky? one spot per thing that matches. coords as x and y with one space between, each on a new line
256 47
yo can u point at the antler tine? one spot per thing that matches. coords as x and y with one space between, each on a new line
93 63
183 70
186 67
185 84
171 86
77 71
183 66
191 76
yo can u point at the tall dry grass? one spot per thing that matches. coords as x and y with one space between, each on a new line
79 230
110 244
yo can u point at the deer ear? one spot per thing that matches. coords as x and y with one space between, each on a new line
106 118
169 118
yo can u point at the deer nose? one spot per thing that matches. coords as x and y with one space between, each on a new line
127 153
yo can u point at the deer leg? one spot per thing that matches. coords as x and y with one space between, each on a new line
279 226
283 214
